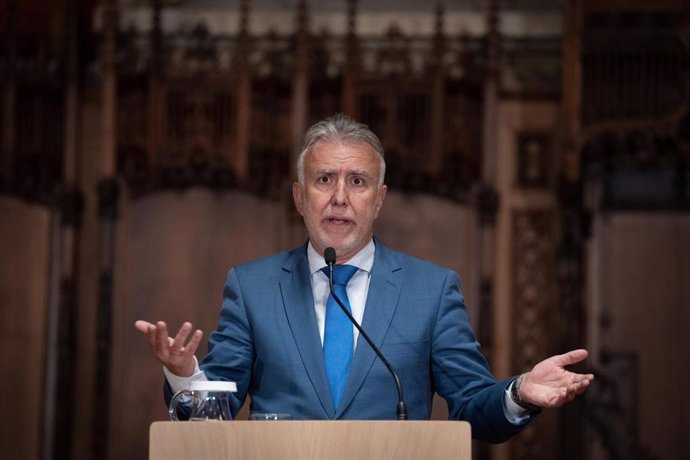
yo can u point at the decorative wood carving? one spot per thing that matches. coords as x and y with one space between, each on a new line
614 399
389 81
635 65
533 306
534 160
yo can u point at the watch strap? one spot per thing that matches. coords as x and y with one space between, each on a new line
517 398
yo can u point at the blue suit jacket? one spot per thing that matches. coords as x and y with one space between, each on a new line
268 342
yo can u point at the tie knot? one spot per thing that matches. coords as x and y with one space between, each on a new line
342 273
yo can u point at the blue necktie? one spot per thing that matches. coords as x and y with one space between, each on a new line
337 337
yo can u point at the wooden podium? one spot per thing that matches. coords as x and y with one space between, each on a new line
285 440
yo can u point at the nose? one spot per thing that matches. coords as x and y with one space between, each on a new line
339 194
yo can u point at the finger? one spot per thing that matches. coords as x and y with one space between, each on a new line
181 337
161 343
150 330
582 386
151 334
559 398
581 379
588 378
194 342
143 326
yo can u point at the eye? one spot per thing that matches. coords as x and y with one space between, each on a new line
324 179
358 181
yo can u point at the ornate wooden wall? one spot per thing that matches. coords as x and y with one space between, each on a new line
634 158
193 108
179 109
180 104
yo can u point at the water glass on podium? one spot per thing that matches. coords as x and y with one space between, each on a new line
204 401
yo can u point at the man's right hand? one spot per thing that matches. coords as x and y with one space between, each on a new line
173 353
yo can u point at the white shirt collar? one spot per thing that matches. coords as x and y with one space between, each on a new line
363 260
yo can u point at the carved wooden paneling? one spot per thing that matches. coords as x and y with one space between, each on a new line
270 141
399 112
535 162
38 139
634 65
154 124
462 141
389 80
533 305
532 67
133 159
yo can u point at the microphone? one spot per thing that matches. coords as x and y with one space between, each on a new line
329 257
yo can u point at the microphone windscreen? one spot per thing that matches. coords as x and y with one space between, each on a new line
329 256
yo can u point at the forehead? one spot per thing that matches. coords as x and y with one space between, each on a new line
337 155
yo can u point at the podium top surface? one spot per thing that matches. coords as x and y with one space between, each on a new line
285 439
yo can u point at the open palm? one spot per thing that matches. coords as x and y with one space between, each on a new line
550 384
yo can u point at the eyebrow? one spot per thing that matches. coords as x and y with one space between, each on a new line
351 172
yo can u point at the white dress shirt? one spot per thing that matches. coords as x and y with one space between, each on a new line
357 289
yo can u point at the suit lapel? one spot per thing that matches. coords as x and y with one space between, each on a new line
382 299
298 301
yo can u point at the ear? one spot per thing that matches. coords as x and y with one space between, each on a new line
297 197
379 200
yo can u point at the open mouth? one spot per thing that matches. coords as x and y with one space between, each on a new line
338 221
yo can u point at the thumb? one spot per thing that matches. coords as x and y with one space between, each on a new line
571 357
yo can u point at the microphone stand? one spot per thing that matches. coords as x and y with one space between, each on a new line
401 407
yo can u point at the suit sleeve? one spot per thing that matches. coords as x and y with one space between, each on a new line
461 373
231 346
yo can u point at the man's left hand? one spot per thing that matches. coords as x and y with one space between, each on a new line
549 384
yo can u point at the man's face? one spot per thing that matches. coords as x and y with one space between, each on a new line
340 197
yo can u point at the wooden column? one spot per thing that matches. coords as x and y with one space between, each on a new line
571 249
438 96
8 94
300 83
62 331
572 90
240 158
108 196
493 328
109 89
349 101
487 198
491 90
156 90
70 161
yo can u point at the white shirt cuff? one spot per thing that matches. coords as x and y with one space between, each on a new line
178 383
514 413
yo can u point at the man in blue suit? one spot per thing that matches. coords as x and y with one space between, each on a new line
282 340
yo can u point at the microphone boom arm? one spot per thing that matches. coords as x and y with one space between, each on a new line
401 407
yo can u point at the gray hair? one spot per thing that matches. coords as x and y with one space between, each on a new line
343 129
